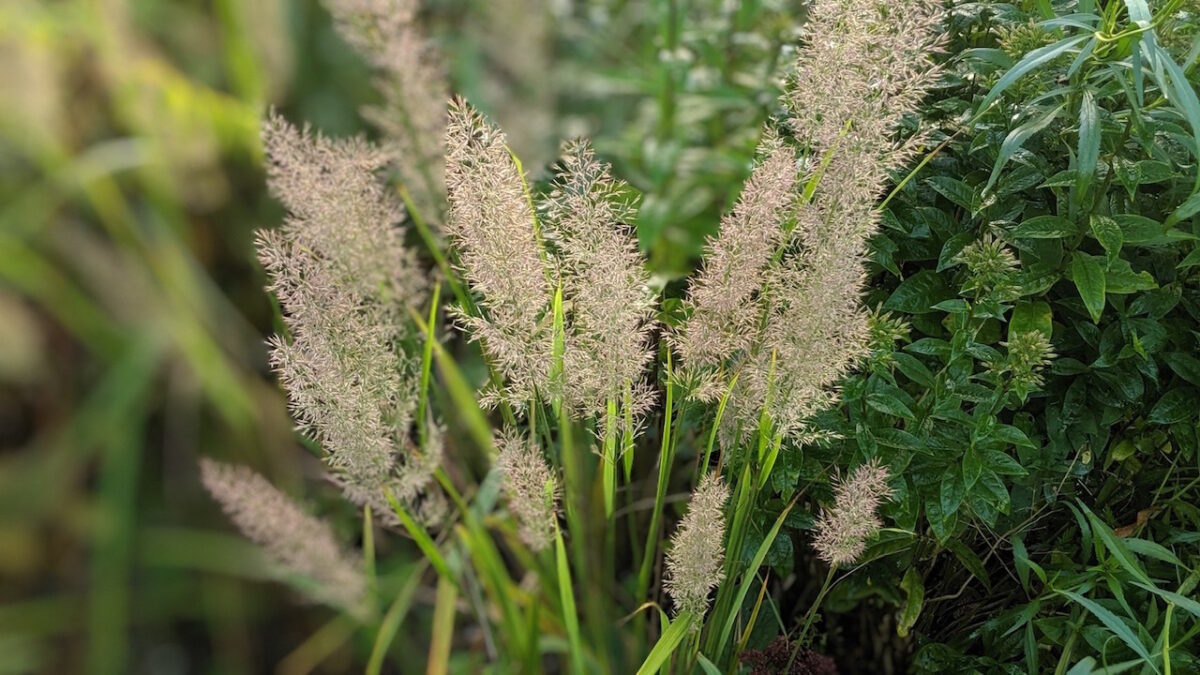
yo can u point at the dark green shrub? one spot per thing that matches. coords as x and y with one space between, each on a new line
1047 516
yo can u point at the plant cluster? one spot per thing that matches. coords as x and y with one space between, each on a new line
945 393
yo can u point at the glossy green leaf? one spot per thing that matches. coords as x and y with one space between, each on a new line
1045 227
889 405
955 190
1175 406
1088 151
952 491
919 293
1088 275
914 592
1031 316
970 560
1016 140
1108 233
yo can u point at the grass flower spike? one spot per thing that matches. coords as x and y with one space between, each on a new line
531 489
607 341
695 559
843 530
295 540
722 299
491 222
778 300
410 76
515 264
342 276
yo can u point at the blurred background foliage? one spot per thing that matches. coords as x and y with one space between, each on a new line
131 309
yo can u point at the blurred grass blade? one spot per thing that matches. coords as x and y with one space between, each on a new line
443 628
125 391
390 624
421 537
566 594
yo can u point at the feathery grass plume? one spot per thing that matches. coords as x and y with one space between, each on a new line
604 277
298 542
843 530
722 299
516 44
865 66
695 559
413 84
342 275
411 483
492 225
530 487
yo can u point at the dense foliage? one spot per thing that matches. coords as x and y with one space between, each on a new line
1034 373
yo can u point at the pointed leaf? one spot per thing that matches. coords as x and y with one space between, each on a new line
1088 152
1108 233
1030 61
1114 624
1088 276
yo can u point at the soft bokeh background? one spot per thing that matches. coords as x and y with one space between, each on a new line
131 309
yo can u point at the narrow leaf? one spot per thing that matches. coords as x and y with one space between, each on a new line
670 640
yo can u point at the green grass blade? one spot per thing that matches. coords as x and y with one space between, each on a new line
609 459
664 474
1031 60
747 578
1114 624
463 396
1116 548
566 594
670 640
430 333
421 537
558 349
443 628
1016 138
716 427
627 432
390 624
368 536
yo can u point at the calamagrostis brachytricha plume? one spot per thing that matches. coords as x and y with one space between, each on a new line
798 272
298 542
411 78
843 530
695 559
530 487
343 276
